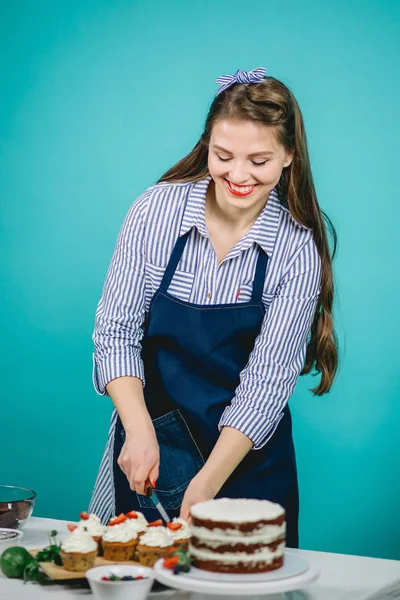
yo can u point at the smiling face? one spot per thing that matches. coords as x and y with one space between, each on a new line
245 161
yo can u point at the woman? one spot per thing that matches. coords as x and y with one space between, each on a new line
218 296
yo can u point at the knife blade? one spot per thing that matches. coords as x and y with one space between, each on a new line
150 493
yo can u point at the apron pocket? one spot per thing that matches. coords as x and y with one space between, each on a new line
180 460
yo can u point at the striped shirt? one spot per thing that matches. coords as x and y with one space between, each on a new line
291 289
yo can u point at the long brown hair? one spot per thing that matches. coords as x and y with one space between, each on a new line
271 103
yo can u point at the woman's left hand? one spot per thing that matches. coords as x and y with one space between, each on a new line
199 490
230 449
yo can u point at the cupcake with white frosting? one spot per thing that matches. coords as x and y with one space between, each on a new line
179 530
136 521
119 542
78 551
91 523
154 544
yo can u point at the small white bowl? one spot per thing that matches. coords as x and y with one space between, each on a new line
120 590
9 537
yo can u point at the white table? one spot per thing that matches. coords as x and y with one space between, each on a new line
342 577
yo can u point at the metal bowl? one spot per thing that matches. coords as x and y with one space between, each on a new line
16 506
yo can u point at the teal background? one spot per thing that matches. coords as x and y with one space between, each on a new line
98 99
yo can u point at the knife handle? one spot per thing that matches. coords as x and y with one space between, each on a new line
149 488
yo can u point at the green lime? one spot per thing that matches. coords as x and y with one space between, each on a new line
14 560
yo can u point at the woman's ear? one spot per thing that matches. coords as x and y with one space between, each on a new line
288 161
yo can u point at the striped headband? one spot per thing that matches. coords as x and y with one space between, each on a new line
240 77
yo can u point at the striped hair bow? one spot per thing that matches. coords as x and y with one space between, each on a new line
240 77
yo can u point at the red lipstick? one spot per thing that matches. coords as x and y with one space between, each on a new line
240 194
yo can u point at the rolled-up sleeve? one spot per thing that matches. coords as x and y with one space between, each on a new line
120 313
269 378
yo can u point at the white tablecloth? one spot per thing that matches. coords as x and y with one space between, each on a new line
342 577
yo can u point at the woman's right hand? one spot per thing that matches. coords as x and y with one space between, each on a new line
140 458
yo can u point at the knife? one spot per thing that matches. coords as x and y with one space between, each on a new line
150 493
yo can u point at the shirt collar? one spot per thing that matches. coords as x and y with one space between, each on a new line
194 215
263 232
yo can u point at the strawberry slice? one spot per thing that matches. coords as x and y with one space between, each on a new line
71 527
132 515
84 516
155 523
170 562
117 520
174 526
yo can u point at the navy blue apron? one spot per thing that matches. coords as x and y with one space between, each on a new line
193 355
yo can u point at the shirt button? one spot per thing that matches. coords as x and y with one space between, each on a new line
209 295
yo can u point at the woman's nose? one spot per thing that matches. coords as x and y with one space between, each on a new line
238 174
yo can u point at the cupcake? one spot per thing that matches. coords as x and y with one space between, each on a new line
119 542
136 521
150 526
93 526
78 551
154 544
179 530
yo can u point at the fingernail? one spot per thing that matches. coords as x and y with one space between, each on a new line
153 483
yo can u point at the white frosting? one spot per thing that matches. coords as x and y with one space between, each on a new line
237 510
138 524
262 535
79 540
93 525
156 537
263 554
183 532
122 532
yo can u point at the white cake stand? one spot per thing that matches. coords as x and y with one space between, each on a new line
295 574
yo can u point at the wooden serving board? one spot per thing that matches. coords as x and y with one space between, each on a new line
54 571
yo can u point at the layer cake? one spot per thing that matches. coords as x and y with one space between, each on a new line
232 535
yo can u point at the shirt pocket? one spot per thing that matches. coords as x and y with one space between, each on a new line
181 285
245 295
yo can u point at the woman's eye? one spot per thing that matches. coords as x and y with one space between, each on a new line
257 164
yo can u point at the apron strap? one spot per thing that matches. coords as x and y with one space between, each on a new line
259 277
173 261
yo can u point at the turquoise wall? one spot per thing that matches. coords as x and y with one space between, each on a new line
98 99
